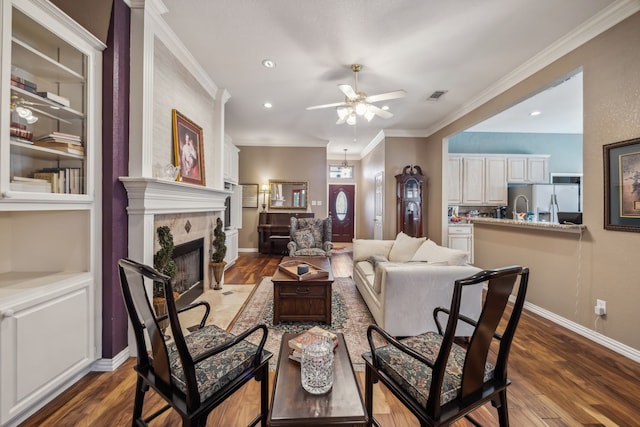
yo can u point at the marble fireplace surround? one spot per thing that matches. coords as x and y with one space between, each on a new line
189 210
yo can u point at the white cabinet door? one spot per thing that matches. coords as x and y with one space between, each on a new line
232 247
461 238
472 180
495 181
454 180
516 169
537 170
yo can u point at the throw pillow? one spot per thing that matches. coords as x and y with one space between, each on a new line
304 238
430 252
404 247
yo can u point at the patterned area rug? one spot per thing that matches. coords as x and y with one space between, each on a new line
349 315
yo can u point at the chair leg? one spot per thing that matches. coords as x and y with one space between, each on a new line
503 409
264 395
368 395
141 389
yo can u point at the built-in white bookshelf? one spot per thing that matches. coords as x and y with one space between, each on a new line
50 148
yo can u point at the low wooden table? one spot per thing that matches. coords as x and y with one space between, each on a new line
291 405
302 301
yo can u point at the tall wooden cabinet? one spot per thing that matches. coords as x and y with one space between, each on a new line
50 127
409 200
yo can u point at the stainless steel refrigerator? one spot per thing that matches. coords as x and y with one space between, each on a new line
544 200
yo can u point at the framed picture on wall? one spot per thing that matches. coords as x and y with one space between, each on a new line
622 185
249 195
188 149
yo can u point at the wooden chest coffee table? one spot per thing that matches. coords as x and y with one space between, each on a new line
291 405
302 301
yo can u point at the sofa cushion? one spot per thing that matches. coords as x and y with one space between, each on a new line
375 259
430 252
404 247
304 238
365 248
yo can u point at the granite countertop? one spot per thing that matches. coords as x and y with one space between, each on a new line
546 226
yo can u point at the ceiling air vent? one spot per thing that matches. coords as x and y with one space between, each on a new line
436 95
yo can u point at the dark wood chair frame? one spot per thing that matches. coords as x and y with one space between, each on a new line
474 391
155 371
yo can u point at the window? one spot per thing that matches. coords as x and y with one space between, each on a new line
341 171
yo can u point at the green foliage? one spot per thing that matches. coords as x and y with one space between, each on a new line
163 259
219 247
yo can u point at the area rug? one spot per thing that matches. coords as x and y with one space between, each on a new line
349 315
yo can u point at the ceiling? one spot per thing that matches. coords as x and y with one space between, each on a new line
466 47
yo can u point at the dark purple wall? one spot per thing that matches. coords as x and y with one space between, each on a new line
115 161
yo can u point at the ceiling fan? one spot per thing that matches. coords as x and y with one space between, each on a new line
358 103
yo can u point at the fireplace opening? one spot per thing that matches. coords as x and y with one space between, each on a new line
189 280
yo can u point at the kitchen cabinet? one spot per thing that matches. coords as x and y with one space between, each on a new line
231 167
454 180
483 180
232 247
461 237
529 169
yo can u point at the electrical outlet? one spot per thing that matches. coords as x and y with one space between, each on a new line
601 307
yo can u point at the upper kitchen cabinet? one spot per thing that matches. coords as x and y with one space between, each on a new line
231 156
483 179
454 180
532 169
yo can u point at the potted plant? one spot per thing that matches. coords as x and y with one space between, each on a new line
218 252
164 263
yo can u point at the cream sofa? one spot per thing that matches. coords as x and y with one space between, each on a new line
403 280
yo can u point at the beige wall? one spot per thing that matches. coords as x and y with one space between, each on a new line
260 164
568 273
371 164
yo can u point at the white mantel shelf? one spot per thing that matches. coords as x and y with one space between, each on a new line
154 196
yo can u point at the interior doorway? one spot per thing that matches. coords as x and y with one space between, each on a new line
342 211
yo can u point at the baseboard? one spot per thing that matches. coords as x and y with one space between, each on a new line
247 249
590 334
108 365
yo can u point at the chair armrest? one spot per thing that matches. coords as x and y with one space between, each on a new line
235 341
327 246
394 342
462 317
189 307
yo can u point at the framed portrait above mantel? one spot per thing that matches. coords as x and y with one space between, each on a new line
622 185
188 149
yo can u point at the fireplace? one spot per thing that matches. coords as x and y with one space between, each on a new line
189 280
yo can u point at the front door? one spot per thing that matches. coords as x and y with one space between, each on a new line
341 209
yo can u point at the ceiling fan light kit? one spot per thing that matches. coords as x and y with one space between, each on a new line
357 103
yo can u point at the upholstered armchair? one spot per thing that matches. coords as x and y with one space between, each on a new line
310 237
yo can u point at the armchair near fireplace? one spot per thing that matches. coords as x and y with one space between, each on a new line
310 237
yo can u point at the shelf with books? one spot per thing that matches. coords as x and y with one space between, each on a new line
47 107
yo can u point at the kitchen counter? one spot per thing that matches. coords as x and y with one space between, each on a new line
546 226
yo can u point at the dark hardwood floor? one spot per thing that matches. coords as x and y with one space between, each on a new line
559 379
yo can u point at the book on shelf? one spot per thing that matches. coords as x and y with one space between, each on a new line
55 98
67 180
16 78
59 137
21 140
310 336
20 133
24 87
66 147
51 177
22 183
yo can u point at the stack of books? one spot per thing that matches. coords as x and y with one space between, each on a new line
18 132
306 338
62 180
33 185
24 84
65 142
55 98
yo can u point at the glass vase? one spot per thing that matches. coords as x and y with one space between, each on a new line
316 368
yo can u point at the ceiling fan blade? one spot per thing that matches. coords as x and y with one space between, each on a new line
379 112
317 107
348 91
387 95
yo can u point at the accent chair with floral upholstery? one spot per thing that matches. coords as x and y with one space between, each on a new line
310 237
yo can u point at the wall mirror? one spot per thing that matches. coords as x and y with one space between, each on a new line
287 194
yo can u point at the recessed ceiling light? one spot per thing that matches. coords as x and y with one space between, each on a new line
385 107
535 113
269 63
267 105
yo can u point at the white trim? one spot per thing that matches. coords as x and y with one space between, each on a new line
590 334
248 250
110 365
282 143
373 144
601 22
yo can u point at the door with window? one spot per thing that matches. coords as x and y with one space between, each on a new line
341 209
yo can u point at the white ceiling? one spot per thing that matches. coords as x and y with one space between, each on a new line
466 47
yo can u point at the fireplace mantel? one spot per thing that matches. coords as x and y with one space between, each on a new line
154 196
